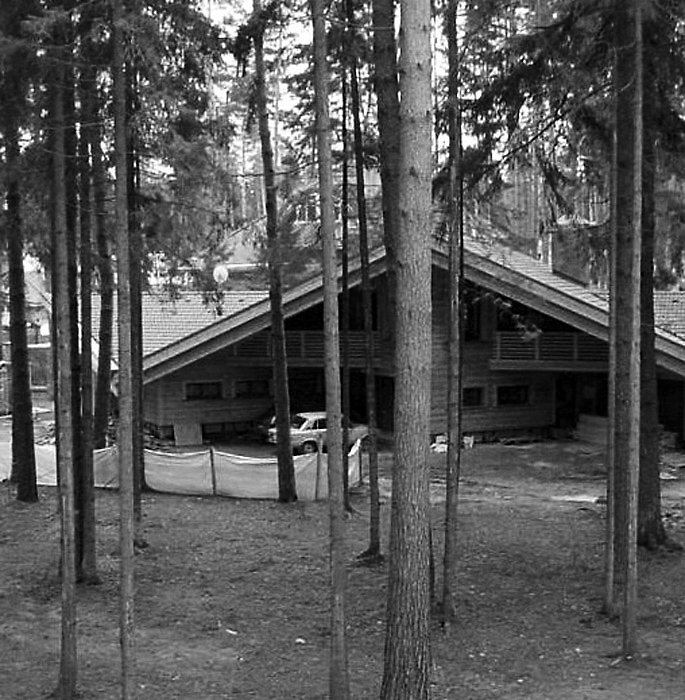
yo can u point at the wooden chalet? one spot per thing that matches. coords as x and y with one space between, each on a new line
535 352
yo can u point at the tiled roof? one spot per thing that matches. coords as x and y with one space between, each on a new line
165 320
669 312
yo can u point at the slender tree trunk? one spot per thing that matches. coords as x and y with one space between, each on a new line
65 439
103 380
407 642
23 453
136 281
374 549
650 530
387 89
345 301
339 687
71 189
626 451
287 491
125 440
455 213
88 565
15 80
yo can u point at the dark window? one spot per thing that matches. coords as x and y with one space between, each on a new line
472 327
512 395
251 387
472 396
198 391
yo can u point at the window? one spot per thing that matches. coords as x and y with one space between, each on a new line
512 395
246 388
472 396
202 391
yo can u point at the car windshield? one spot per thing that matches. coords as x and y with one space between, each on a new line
297 421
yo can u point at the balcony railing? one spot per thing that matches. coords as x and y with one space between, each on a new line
550 348
303 345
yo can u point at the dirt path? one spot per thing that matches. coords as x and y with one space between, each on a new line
232 596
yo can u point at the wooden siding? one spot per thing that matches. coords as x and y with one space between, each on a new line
537 414
166 405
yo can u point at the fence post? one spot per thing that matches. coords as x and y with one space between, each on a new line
212 469
318 470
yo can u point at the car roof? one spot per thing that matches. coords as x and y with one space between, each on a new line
311 414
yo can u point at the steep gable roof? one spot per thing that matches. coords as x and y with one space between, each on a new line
531 282
503 271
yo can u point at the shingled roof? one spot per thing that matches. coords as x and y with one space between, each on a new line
165 319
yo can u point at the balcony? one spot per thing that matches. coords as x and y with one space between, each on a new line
551 351
305 348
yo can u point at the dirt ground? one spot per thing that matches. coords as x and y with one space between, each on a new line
232 600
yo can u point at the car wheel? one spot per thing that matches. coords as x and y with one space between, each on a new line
309 448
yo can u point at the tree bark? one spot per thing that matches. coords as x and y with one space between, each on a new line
23 453
287 491
88 566
72 210
339 686
387 91
103 381
627 303
125 440
63 353
454 383
407 641
650 528
136 291
386 85
374 549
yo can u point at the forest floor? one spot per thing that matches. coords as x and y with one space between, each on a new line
232 599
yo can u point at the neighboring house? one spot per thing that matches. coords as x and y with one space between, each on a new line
37 310
535 353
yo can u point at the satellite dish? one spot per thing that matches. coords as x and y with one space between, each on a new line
220 274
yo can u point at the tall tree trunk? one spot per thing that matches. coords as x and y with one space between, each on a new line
14 83
136 284
23 453
407 642
387 89
374 549
627 303
125 439
287 491
345 301
455 214
339 687
88 570
63 353
103 381
650 529
71 188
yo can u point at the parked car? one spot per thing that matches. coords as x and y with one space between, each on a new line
308 430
